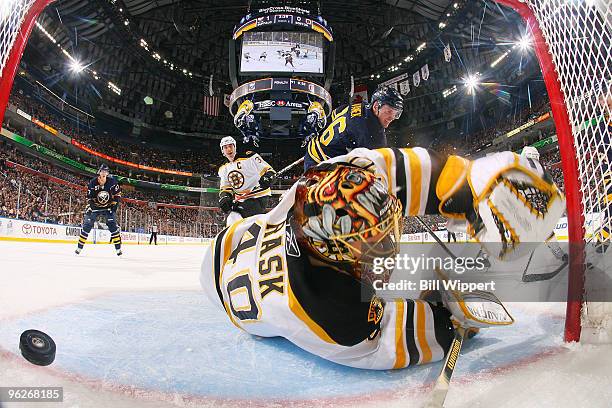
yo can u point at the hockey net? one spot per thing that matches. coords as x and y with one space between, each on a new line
17 18
573 43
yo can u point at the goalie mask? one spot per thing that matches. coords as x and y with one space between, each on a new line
344 215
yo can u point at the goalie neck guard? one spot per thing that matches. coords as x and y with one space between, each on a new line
343 215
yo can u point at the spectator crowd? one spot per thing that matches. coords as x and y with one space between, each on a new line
32 196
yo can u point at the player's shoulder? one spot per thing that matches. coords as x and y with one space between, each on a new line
250 156
92 182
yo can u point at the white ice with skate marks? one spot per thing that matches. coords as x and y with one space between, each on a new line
137 332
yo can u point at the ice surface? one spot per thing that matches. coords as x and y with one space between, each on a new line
138 332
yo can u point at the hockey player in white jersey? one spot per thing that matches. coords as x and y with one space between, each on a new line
296 271
245 182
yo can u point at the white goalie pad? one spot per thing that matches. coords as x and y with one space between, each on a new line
515 204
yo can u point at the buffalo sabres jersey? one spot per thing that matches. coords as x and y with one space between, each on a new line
103 196
242 175
350 127
256 272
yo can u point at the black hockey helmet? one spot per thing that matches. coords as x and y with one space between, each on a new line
389 96
103 167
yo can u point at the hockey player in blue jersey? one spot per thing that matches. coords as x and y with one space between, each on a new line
103 197
358 125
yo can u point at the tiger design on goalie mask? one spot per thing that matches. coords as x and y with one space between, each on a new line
346 215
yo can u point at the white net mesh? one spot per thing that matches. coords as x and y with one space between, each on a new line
578 34
12 13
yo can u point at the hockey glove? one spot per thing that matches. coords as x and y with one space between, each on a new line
506 199
267 179
226 201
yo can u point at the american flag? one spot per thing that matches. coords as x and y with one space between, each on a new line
211 106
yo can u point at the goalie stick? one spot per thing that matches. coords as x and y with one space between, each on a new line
440 389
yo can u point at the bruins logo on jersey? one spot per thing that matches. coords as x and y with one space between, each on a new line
103 197
236 179
375 312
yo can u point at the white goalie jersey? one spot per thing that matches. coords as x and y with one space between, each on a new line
257 274
241 177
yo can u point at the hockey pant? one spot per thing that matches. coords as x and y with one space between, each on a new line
247 208
153 237
90 219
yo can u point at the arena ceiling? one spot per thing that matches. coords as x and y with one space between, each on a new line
370 35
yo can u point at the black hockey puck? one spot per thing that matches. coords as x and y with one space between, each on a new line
37 347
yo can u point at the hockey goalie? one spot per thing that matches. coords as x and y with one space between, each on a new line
297 271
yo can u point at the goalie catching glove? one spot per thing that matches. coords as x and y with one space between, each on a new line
506 199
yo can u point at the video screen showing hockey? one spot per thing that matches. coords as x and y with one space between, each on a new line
259 203
282 52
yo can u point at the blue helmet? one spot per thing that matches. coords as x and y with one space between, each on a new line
389 96
103 167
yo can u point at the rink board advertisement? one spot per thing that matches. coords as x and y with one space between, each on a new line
20 230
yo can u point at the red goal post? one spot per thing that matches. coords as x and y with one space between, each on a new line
572 40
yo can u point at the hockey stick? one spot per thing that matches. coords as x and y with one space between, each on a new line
438 240
279 173
536 277
289 167
440 389
438 394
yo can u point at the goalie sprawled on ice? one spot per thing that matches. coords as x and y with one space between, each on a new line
296 271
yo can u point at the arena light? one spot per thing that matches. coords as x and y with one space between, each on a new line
442 25
49 36
114 88
449 91
471 83
421 47
76 66
524 43
456 5
498 60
